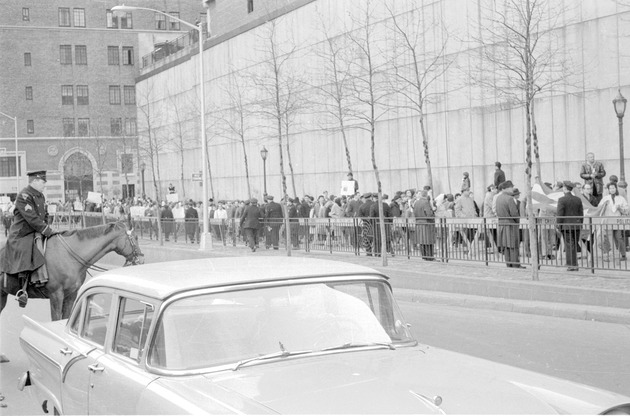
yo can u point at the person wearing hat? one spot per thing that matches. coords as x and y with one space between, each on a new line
191 218
499 175
387 217
367 233
273 220
508 236
569 220
250 223
22 255
166 220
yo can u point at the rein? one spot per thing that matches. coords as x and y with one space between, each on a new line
94 267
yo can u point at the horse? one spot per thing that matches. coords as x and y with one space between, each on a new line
69 255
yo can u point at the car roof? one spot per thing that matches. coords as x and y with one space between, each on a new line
161 280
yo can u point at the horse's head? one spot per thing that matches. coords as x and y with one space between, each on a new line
128 248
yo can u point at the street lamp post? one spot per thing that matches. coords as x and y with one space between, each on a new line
205 239
143 166
263 154
620 108
17 159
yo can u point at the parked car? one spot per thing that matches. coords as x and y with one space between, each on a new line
267 335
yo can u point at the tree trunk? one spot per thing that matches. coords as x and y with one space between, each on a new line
182 179
345 141
535 137
249 189
286 133
381 219
425 145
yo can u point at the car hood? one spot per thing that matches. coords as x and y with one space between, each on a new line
407 380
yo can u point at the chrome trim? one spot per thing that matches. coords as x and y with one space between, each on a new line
432 403
69 364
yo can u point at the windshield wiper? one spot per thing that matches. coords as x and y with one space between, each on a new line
283 353
347 345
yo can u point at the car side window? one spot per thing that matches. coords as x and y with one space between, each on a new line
76 319
97 317
132 328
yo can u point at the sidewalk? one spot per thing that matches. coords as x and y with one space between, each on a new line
603 296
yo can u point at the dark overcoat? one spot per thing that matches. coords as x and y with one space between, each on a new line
192 220
509 218
273 211
425 222
29 217
250 218
166 216
570 206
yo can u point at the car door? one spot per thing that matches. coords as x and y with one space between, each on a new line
88 329
119 376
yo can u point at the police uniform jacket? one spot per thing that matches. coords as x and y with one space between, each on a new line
192 219
30 216
570 206
273 211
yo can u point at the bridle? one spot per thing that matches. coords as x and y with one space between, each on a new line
134 257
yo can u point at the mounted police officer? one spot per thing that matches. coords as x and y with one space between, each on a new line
30 220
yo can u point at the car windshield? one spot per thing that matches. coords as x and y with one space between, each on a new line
231 327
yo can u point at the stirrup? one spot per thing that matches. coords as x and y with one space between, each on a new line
22 298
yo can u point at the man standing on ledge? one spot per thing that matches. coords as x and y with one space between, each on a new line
569 219
507 230
499 175
30 218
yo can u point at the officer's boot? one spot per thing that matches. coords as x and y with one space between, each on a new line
22 295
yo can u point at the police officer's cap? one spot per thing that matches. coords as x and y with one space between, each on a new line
37 174
269 197
366 195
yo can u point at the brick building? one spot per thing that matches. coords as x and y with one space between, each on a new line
68 76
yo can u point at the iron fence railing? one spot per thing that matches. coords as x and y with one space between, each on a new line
601 241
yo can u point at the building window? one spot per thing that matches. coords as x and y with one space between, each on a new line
30 127
113 57
116 126
130 127
112 20
80 54
83 127
65 54
130 94
27 59
83 96
79 17
64 16
68 127
114 94
160 21
29 93
67 95
26 14
7 166
127 53
173 24
250 6
125 21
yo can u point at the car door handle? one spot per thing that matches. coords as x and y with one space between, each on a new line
66 351
95 368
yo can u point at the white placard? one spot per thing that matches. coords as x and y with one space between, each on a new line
137 211
95 197
172 198
347 188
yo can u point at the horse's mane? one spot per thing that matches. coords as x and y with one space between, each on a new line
93 232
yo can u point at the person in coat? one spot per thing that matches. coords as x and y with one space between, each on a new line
21 256
499 175
273 219
367 229
166 219
508 225
425 225
388 219
250 223
593 172
191 218
570 218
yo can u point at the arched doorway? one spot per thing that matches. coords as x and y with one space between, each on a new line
78 176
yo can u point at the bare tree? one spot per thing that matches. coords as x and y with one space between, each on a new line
180 133
417 67
333 89
519 42
271 83
370 89
234 122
